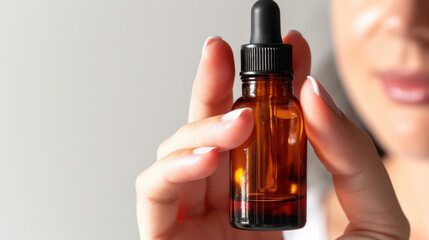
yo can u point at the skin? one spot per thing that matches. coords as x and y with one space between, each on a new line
184 195
372 36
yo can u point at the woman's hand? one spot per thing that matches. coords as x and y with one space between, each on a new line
360 179
184 194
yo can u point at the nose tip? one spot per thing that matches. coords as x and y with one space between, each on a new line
409 18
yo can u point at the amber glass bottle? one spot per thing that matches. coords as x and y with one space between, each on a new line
268 171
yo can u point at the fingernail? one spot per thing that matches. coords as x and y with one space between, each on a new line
234 114
210 40
320 90
202 150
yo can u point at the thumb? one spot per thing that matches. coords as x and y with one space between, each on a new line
361 182
342 147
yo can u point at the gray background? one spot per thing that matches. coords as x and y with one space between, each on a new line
88 89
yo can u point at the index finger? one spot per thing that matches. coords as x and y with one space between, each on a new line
212 90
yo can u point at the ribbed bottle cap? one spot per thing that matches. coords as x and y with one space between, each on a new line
266 59
266 54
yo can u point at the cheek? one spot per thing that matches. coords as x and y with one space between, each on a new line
361 49
350 34
402 130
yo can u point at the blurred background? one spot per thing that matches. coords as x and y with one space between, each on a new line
88 90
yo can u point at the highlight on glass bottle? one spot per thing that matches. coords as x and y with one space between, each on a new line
268 171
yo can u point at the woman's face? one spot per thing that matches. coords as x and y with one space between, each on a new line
382 50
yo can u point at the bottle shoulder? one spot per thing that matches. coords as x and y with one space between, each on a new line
287 102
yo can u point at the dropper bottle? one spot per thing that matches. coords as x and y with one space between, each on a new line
268 171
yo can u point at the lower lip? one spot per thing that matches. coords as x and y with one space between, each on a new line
406 91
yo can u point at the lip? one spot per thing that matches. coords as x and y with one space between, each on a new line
408 88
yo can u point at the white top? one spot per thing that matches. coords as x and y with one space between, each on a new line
316 226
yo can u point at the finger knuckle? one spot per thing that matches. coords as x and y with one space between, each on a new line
161 148
168 145
188 127
140 180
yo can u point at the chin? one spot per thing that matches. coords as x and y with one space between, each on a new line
409 150
404 136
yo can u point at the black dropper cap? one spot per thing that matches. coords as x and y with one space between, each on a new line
266 54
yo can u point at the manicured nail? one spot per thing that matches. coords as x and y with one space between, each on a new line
202 150
210 40
234 114
320 90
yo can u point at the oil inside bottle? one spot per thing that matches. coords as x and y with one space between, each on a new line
268 171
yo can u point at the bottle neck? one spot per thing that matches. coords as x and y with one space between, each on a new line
267 85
